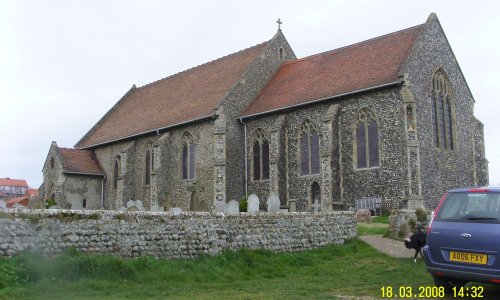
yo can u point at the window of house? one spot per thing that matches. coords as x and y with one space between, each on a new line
116 172
442 113
366 140
188 157
260 156
309 149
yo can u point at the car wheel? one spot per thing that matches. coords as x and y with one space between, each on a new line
444 282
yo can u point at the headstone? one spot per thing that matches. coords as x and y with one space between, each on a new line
134 205
233 207
364 215
273 203
175 209
253 203
157 208
221 206
292 203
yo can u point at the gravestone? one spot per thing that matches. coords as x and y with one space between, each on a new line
221 206
134 205
157 208
233 207
175 209
253 203
273 203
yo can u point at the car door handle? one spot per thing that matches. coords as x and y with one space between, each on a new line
466 235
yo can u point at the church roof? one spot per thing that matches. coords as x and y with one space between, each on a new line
80 162
187 96
365 65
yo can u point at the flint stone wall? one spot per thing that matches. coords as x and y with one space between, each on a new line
169 235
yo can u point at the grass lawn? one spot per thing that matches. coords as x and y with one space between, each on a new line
350 269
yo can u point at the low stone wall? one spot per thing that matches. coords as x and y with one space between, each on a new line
169 235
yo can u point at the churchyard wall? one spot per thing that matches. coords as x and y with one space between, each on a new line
169 235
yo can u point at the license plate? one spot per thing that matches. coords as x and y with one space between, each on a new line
473 258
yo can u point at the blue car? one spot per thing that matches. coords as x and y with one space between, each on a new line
463 238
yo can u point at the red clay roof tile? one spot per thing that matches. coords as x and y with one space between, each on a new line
363 65
13 182
185 96
80 161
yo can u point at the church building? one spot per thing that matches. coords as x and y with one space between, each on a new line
391 118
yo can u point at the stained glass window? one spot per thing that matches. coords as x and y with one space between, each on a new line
442 111
366 140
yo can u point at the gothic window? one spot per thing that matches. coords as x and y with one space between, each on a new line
316 196
84 203
260 156
281 53
116 172
442 113
188 156
147 173
366 140
309 149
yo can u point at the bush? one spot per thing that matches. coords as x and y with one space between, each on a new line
243 204
421 214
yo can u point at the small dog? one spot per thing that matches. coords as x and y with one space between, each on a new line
416 241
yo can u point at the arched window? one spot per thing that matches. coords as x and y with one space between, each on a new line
366 140
315 196
442 111
84 203
116 172
309 149
260 156
188 156
281 53
148 166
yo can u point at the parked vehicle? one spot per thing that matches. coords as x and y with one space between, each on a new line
463 238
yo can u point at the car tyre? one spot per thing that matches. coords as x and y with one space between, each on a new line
444 282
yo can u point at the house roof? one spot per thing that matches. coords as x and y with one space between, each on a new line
31 193
80 162
186 96
11 202
369 64
13 182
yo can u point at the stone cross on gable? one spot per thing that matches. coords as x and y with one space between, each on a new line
279 23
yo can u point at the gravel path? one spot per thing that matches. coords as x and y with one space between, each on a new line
390 247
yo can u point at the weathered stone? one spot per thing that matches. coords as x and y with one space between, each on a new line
363 215
253 203
233 206
273 203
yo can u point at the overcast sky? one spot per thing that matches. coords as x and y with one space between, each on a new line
64 64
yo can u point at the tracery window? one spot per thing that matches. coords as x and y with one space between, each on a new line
116 172
188 156
366 140
309 149
260 158
442 111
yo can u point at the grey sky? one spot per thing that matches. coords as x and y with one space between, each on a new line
64 64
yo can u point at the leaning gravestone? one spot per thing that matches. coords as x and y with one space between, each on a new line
253 203
220 206
233 207
273 203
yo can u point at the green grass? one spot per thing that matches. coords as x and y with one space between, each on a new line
383 219
372 229
351 269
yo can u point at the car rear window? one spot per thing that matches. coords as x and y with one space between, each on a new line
470 207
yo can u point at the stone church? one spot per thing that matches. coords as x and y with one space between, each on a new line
391 117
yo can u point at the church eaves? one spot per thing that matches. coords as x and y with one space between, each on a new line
182 98
364 66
